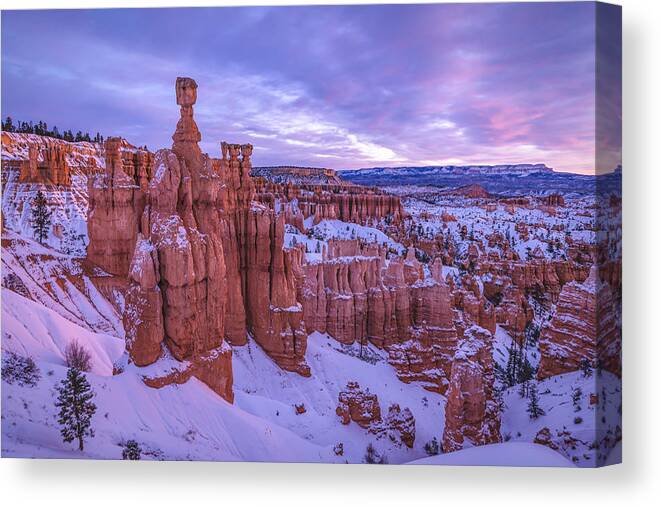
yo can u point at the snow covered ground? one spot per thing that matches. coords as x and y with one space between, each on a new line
317 236
514 454
190 421
265 390
68 206
583 430
49 300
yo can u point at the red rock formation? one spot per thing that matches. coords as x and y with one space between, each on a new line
359 406
207 255
179 262
274 315
402 423
522 229
472 191
544 437
583 329
471 413
362 407
115 204
262 276
346 202
143 315
214 368
554 200
357 298
52 169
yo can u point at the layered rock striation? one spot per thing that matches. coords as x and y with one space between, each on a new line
361 296
471 413
583 332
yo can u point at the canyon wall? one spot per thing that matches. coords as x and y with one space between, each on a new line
471 414
583 332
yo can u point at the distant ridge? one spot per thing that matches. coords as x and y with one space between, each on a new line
515 169
298 174
516 179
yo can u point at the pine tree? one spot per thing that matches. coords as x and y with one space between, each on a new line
586 368
576 399
41 217
534 410
76 408
8 126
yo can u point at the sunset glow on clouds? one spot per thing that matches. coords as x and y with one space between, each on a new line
340 87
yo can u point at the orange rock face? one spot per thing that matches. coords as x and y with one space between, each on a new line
346 202
359 406
583 330
357 298
471 414
175 304
204 261
116 204
48 166
401 422
362 407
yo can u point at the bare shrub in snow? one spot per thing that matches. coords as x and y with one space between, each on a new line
77 356
22 370
373 457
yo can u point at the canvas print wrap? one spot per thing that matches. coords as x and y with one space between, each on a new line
385 234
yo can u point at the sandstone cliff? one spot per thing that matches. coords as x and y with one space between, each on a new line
584 330
471 414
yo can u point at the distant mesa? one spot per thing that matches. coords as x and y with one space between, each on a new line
514 169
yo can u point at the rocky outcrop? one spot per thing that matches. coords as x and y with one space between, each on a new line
358 405
360 298
554 200
48 166
471 415
473 191
214 368
583 330
402 423
362 407
262 276
298 175
178 262
346 202
116 204
273 314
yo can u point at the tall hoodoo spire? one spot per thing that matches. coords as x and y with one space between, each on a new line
187 134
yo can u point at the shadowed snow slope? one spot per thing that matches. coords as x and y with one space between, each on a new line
261 388
177 422
514 454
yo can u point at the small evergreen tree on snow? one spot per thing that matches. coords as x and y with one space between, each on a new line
534 410
131 451
76 407
8 125
41 217
576 399
586 368
432 448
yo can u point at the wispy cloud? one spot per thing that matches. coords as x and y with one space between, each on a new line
344 87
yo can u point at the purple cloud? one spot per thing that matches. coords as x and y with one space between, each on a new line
340 87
